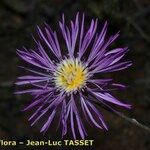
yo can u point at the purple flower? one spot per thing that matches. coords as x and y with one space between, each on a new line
65 80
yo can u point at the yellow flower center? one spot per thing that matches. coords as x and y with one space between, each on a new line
70 75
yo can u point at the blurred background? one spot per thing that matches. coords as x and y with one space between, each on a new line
18 20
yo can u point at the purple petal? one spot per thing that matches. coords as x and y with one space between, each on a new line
48 122
72 122
98 114
50 43
110 98
90 115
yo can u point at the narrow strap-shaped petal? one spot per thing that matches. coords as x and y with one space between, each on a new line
99 40
53 102
70 37
52 36
90 115
79 122
117 50
31 81
113 68
50 43
64 118
45 56
100 81
98 114
37 101
72 122
30 91
45 100
29 58
40 59
118 85
101 53
88 38
48 122
82 31
66 35
30 77
110 59
74 29
110 98
35 72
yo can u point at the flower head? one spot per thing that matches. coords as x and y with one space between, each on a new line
66 79
70 75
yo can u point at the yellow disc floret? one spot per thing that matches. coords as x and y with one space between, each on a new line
70 75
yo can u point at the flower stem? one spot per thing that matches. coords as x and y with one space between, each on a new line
132 120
